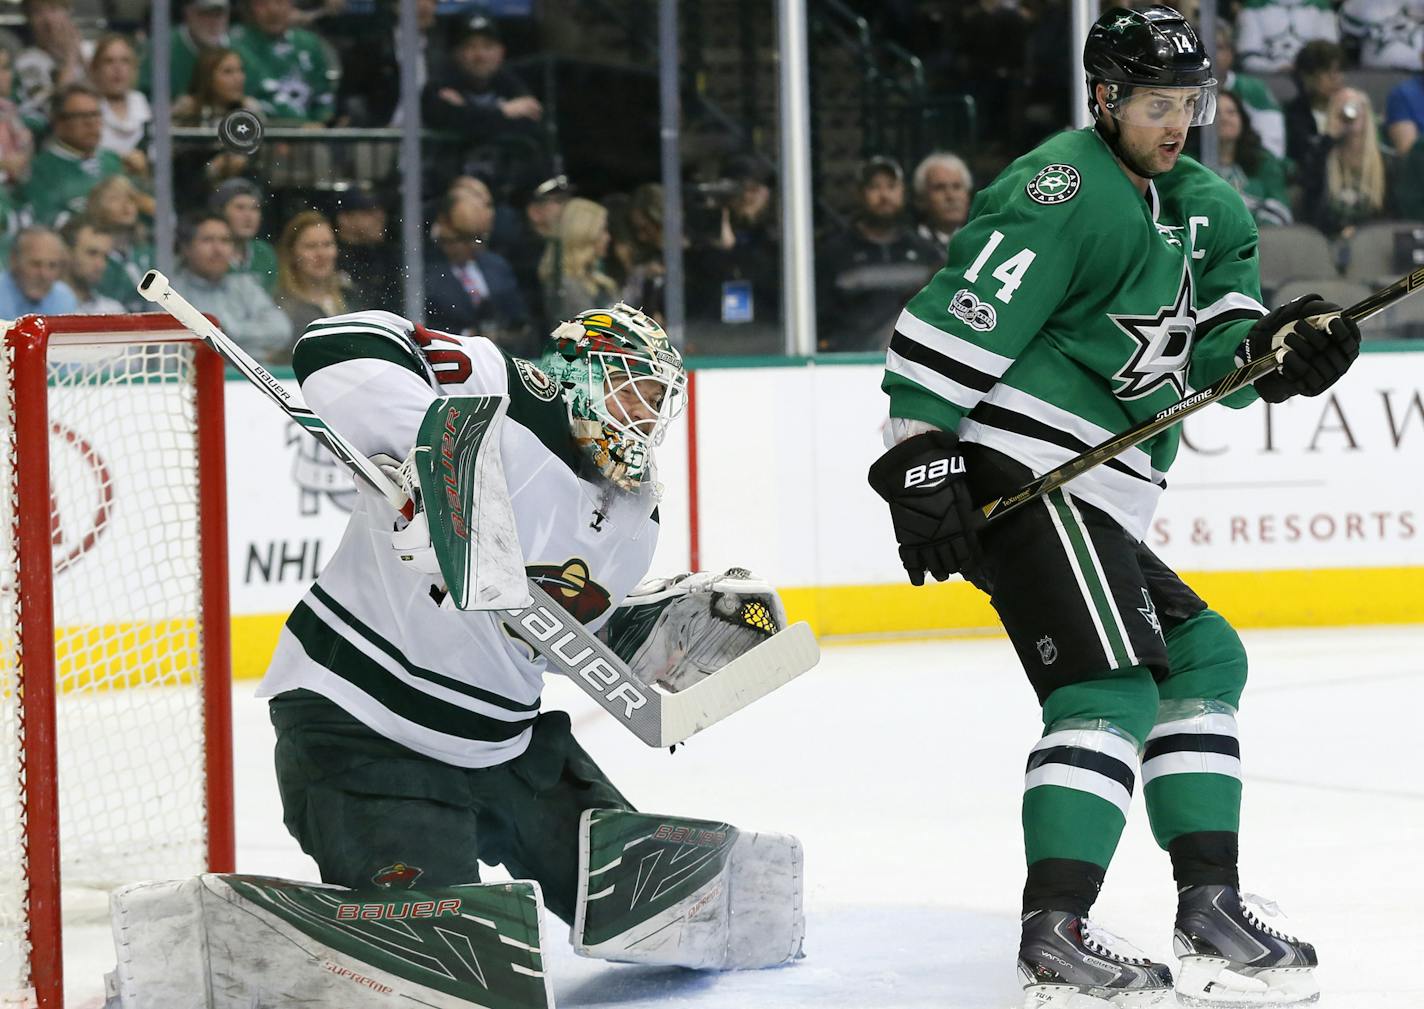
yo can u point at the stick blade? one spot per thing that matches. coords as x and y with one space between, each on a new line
771 664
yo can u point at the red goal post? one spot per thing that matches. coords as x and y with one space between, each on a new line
115 720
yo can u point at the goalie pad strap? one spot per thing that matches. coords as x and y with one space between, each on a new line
233 942
689 893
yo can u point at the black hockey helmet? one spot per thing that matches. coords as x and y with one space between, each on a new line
1155 47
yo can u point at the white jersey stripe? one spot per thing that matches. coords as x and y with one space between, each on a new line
1088 603
1102 578
952 346
945 388
1234 301
1191 762
1218 723
1080 779
1085 431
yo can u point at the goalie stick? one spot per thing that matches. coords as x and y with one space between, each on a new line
655 717
1226 385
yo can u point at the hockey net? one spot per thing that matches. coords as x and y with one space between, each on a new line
115 746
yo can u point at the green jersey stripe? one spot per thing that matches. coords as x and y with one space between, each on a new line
325 646
351 621
319 348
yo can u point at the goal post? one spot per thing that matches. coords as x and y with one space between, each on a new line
115 720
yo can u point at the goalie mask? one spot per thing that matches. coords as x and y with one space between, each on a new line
623 383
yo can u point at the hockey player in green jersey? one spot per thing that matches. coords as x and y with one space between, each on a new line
1098 279
410 741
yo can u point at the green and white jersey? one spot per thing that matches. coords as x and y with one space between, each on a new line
1072 308
369 636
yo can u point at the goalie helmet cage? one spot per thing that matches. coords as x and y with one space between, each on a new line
115 706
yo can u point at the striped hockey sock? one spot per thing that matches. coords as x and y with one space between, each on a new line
1191 770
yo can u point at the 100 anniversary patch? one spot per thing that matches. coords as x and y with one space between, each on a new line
1054 184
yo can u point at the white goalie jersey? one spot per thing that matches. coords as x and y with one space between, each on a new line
370 635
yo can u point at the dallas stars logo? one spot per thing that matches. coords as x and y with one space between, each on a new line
1149 613
1123 23
1164 345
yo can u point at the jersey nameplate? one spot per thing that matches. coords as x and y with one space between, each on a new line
1054 184
540 385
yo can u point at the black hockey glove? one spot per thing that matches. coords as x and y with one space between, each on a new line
936 523
1316 356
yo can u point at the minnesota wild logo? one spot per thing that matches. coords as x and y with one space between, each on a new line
571 587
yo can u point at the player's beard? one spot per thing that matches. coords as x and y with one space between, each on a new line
1146 162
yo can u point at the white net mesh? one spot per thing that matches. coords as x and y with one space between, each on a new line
123 527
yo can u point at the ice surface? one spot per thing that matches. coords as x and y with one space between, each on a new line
900 766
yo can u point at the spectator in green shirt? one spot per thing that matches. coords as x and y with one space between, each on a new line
71 161
287 69
1254 172
239 202
205 25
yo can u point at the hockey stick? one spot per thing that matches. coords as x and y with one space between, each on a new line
655 717
1226 385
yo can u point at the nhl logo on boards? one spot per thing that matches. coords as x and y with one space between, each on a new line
1054 184
976 314
540 385
1047 650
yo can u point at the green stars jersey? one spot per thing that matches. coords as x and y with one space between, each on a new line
369 636
1071 308
287 74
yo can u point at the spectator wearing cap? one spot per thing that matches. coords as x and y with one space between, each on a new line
1271 33
527 236
468 288
88 261
205 26
1404 114
114 70
369 94
371 261
943 187
1259 104
734 268
286 67
57 56
239 202
476 95
243 308
867 273
32 283
71 161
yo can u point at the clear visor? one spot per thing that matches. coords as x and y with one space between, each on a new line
1164 108
641 397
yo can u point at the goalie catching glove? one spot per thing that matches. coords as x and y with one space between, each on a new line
1320 345
676 631
411 540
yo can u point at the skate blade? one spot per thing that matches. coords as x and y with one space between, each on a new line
1057 996
1205 982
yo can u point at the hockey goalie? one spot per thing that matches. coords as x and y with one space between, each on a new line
410 741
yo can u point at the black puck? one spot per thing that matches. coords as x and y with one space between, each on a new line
240 132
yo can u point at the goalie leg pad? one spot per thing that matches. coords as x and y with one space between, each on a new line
689 893
233 942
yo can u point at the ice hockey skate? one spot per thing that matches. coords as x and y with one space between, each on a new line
1065 963
1231 958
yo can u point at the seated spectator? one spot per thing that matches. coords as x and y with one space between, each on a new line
71 161
309 286
243 309
570 273
286 67
205 26
868 272
1269 33
734 273
1386 34
370 79
1318 75
476 95
371 261
943 188
113 207
527 236
32 284
1257 102
1254 172
1349 185
113 71
239 202
17 143
468 288
215 89
58 56
89 250
1404 113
